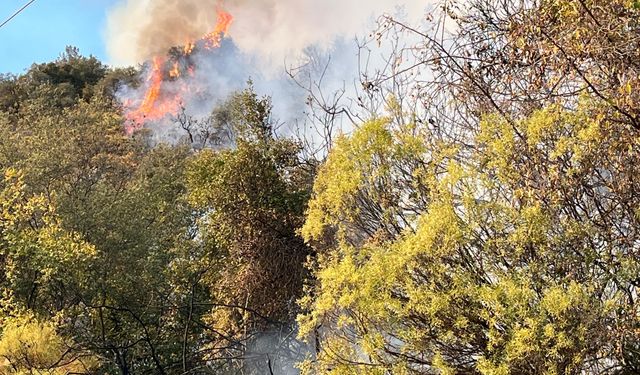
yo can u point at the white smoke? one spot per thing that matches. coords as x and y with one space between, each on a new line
274 30
265 38
275 352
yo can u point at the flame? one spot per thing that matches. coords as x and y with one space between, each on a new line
188 48
154 105
175 71
158 102
212 40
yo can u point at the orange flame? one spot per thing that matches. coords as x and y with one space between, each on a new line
154 105
188 48
212 40
175 71
157 103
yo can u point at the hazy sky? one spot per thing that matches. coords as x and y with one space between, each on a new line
41 32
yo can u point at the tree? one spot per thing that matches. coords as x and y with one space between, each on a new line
72 76
118 196
28 346
486 222
493 275
252 200
39 257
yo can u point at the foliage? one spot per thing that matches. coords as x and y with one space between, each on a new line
72 76
121 204
28 346
483 219
494 275
115 240
39 258
249 220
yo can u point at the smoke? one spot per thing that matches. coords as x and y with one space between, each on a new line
275 353
140 29
273 30
314 37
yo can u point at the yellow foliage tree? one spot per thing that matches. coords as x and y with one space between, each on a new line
507 261
29 346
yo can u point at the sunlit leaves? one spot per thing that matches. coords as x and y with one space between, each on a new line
37 252
29 346
494 274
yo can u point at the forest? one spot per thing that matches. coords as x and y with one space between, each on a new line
478 214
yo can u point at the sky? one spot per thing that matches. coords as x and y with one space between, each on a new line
42 31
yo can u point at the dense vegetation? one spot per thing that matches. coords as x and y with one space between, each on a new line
482 216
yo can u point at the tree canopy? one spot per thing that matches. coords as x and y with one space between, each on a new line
481 216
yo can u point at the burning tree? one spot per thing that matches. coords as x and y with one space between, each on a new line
166 88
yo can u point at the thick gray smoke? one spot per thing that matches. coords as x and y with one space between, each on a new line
140 29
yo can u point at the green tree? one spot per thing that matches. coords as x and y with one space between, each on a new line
72 75
252 199
162 287
113 193
40 259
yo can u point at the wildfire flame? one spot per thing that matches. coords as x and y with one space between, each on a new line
159 102
224 21
175 71
188 48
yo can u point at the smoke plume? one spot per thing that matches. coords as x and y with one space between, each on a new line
264 37
274 30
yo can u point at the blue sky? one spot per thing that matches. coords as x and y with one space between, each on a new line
41 32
